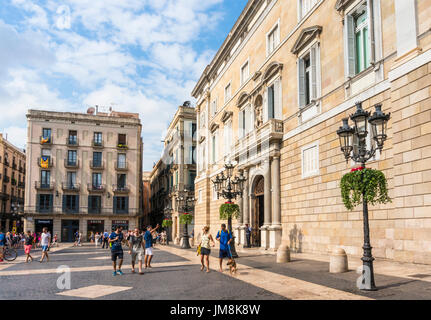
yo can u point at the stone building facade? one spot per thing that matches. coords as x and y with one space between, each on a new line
84 172
174 174
12 186
272 100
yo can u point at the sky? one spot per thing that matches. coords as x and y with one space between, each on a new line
141 56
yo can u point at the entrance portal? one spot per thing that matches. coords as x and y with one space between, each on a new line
68 229
259 211
40 224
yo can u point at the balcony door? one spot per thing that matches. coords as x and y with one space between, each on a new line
97 180
45 178
71 157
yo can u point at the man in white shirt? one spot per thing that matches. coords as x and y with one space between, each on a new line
45 240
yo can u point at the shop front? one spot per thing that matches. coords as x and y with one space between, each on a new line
120 223
68 230
94 226
44 223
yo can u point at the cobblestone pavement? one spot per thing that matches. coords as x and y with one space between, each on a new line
176 275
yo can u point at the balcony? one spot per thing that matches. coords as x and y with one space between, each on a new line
6 179
70 210
122 146
97 165
70 187
69 164
6 162
120 189
121 166
72 141
45 141
94 210
14 166
97 143
44 186
21 184
96 188
45 165
14 182
44 209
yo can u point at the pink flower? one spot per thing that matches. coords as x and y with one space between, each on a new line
357 169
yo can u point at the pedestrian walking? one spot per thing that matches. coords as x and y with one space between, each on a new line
28 245
225 238
97 238
76 238
206 248
2 244
136 249
91 237
105 240
148 237
247 235
115 240
79 239
45 240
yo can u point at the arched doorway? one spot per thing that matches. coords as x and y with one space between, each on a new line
259 210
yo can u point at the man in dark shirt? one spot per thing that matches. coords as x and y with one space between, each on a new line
247 235
115 240
148 237
225 238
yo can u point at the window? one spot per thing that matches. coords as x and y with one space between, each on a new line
121 181
308 76
214 194
70 203
121 158
227 93
71 157
192 155
305 6
46 133
97 159
45 178
71 179
121 204
310 160
245 121
214 107
121 139
44 202
214 155
73 137
273 39
227 134
200 199
244 72
97 180
358 39
94 204
98 138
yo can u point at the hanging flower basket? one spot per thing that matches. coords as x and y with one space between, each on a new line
167 223
363 182
186 218
229 210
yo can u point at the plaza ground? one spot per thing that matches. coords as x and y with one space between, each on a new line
176 275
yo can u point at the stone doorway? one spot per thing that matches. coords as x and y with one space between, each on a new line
259 211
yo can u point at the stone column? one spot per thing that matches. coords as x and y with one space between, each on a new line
239 226
267 203
275 229
246 207
7 225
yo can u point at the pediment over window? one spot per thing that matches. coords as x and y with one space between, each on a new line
272 69
226 115
307 35
341 5
214 127
243 97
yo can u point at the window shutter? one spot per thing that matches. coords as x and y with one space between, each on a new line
278 107
247 119
301 83
127 205
265 106
89 203
240 123
350 25
64 203
38 202
77 204
115 204
271 104
50 202
313 62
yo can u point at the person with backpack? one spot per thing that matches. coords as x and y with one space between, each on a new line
225 238
105 240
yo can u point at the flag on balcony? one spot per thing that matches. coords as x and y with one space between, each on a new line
44 140
44 162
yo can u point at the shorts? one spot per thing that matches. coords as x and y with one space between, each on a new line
44 248
116 254
224 254
138 254
27 249
205 251
149 251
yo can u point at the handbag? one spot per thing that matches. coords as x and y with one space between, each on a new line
198 250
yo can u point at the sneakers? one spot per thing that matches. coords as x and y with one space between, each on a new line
120 272
114 273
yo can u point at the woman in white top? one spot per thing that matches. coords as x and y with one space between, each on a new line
206 248
97 237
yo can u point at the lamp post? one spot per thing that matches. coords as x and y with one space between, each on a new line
185 204
353 142
229 188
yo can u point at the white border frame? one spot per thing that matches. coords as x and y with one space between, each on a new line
313 173
276 25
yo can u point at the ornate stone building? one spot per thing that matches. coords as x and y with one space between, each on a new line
84 172
272 100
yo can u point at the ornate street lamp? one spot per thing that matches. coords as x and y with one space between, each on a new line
359 153
185 204
229 188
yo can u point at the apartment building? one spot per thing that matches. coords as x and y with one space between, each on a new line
272 100
174 174
84 172
12 186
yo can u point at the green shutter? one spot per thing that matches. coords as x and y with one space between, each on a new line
115 205
127 205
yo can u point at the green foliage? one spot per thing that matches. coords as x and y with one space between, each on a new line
367 183
229 210
186 218
167 223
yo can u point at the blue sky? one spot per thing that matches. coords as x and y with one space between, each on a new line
134 55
